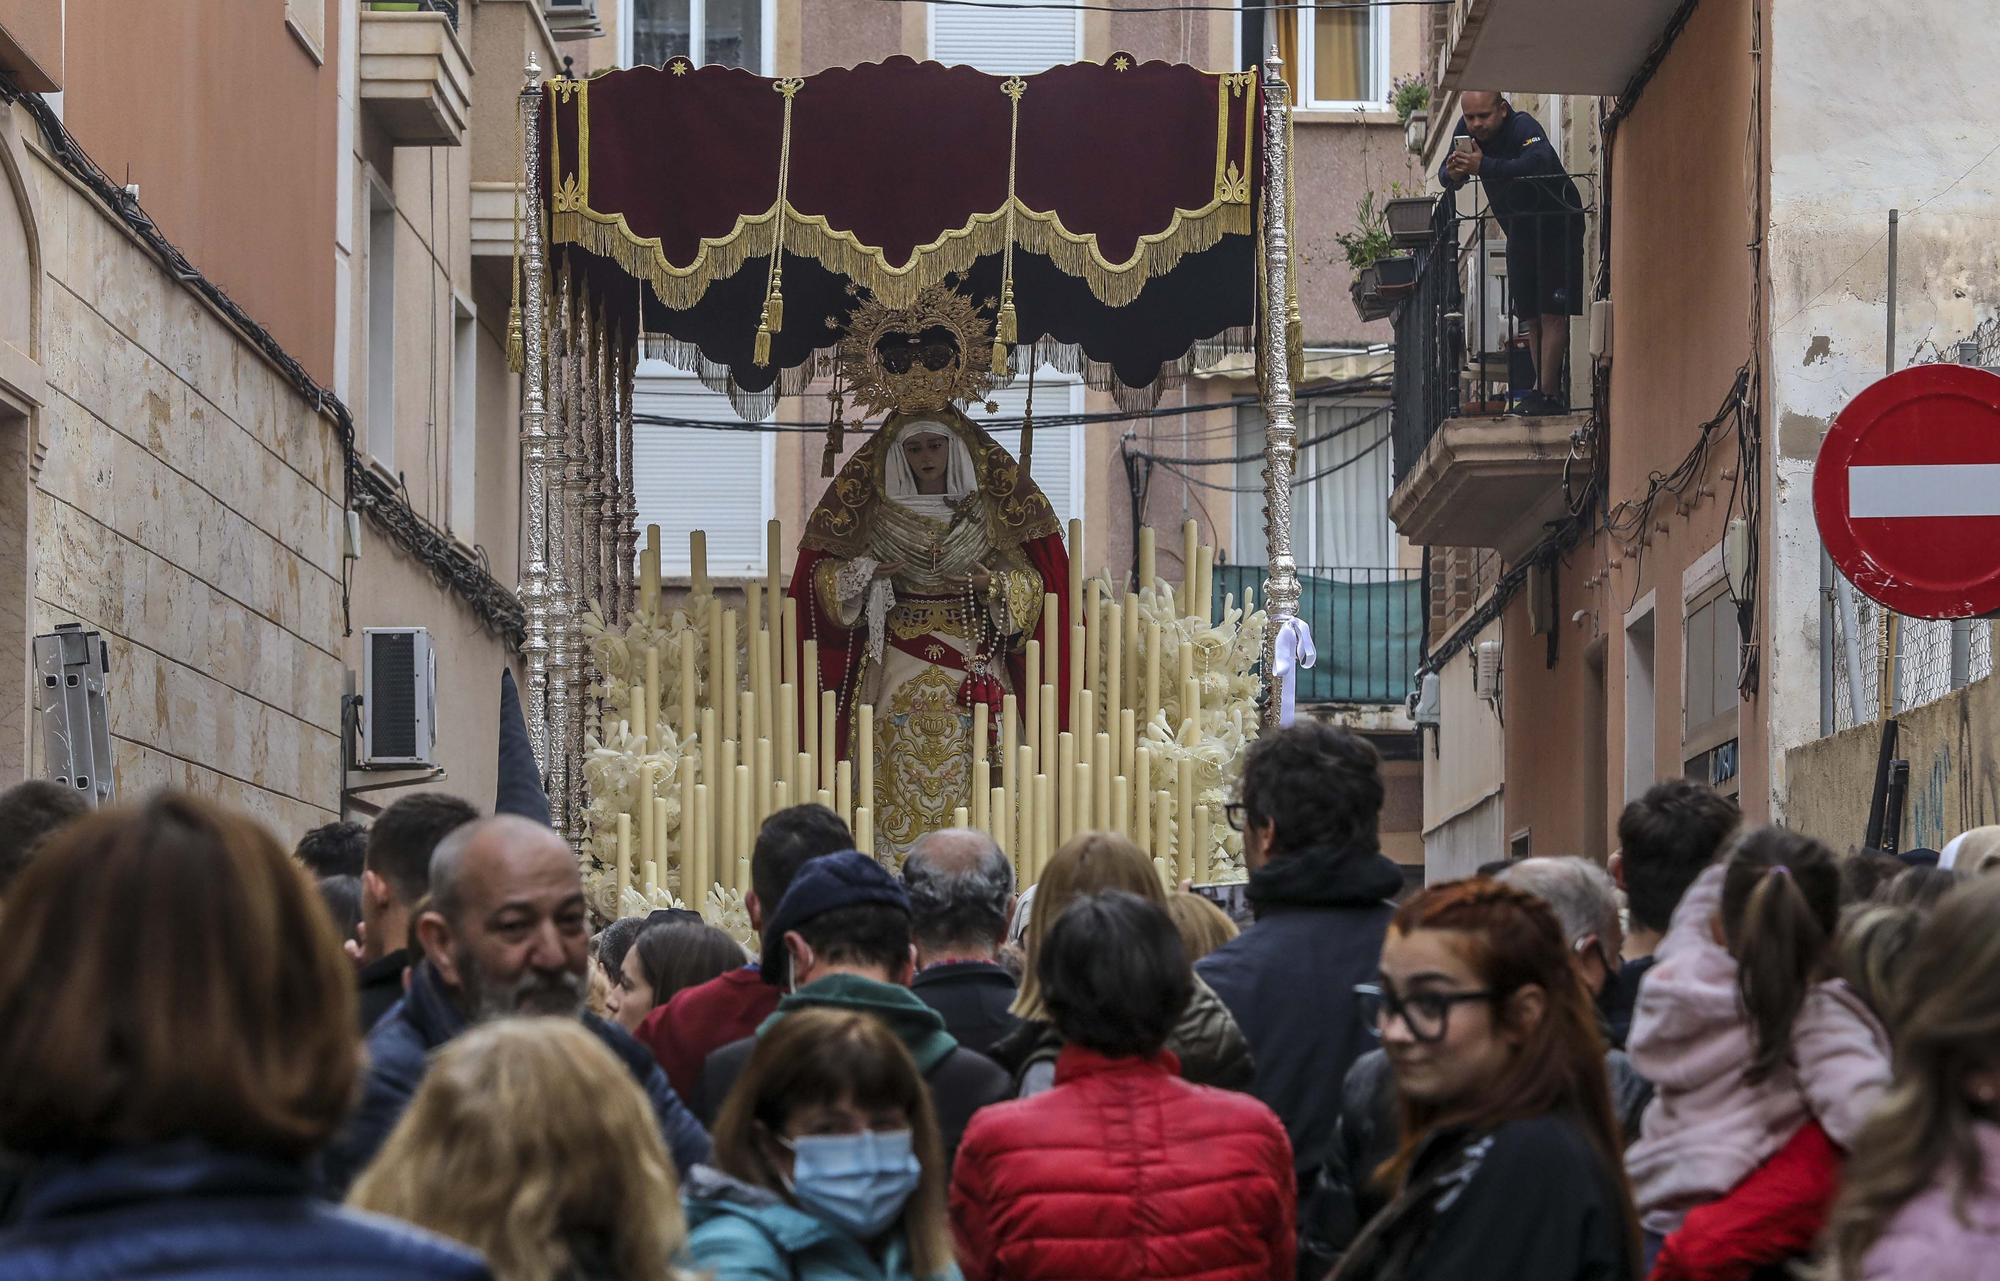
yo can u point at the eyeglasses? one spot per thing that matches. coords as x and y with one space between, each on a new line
1427 1014
1237 813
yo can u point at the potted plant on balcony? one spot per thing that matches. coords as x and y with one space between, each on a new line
1411 97
1381 275
1408 219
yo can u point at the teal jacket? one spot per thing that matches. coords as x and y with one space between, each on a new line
745 1233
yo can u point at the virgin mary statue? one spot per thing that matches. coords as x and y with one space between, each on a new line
921 575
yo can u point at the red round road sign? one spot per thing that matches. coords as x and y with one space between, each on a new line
1907 491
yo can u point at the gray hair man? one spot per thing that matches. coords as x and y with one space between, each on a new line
504 932
961 888
1585 901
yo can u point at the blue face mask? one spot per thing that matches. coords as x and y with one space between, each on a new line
859 1181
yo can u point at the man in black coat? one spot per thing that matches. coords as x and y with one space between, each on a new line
961 889
1320 889
395 876
1541 214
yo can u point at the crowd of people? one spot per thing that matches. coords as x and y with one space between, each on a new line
408 1050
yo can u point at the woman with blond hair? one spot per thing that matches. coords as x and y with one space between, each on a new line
1206 1042
1202 925
1920 1196
828 1164
531 1143
177 1041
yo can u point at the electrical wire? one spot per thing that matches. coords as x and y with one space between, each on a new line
1256 454
1331 390
1297 483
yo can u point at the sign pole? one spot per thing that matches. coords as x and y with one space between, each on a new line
1892 630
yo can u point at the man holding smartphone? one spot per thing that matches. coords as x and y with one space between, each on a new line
1541 214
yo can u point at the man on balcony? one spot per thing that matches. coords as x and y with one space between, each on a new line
1541 215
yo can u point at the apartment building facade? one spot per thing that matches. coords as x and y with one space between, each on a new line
1636 591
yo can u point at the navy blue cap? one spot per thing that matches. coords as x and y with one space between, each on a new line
831 882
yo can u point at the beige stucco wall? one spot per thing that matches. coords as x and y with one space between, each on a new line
430 188
187 507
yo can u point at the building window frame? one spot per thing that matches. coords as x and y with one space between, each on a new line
1307 52
1705 585
698 33
658 377
1077 38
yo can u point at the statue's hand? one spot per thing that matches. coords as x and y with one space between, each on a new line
981 578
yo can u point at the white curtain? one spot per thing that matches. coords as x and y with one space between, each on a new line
1340 517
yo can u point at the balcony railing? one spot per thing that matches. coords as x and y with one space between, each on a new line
1458 352
449 8
1367 626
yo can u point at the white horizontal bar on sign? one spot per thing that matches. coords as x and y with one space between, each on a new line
1951 489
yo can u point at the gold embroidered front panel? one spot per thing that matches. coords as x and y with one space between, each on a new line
912 619
924 758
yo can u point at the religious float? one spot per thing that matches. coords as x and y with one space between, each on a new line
898 238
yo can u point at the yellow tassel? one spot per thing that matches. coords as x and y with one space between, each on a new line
1009 331
774 311
516 351
762 354
999 357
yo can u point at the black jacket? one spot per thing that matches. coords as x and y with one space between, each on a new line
1289 979
1345 1195
399 1054
973 997
1530 1201
380 986
1520 170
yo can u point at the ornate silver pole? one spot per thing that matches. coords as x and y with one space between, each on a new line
534 589
1281 589
580 421
628 491
561 596
603 398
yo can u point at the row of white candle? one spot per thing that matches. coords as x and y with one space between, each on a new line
1052 782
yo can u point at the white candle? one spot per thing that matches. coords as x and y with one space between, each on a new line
624 864
698 559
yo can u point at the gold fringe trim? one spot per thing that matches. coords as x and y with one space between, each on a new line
1115 284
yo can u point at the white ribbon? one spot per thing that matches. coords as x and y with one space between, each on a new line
1294 650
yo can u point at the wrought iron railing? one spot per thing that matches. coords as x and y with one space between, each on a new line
1457 349
1367 626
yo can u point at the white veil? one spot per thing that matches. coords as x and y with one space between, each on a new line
899 483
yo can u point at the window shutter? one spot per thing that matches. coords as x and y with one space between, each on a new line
690 478
1004 42
1055 465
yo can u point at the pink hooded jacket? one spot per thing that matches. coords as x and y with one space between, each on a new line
1706 1128
1928 1239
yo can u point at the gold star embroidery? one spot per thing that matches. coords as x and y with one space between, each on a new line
678 67
1121 63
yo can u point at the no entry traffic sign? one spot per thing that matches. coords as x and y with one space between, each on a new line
1907 491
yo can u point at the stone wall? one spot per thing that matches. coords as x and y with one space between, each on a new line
188 507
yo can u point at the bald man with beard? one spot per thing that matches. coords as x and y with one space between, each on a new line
504 932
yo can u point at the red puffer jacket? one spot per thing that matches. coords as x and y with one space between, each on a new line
1124 1171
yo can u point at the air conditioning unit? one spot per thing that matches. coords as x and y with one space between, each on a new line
1425 707
572 19
1486 670
399 700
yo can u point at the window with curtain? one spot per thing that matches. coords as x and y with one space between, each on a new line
728 32
1340 516
1058 462
1333 57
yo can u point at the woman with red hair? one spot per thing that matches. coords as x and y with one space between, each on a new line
1508 1165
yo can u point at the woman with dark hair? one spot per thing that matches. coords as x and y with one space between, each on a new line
664 959
827 1165
177 1038
1122 1171
1509 1160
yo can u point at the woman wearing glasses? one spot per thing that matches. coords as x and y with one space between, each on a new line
1509 1161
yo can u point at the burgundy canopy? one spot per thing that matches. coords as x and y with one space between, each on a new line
1133 213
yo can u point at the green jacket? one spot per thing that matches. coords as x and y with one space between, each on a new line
919 1027
745 1233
